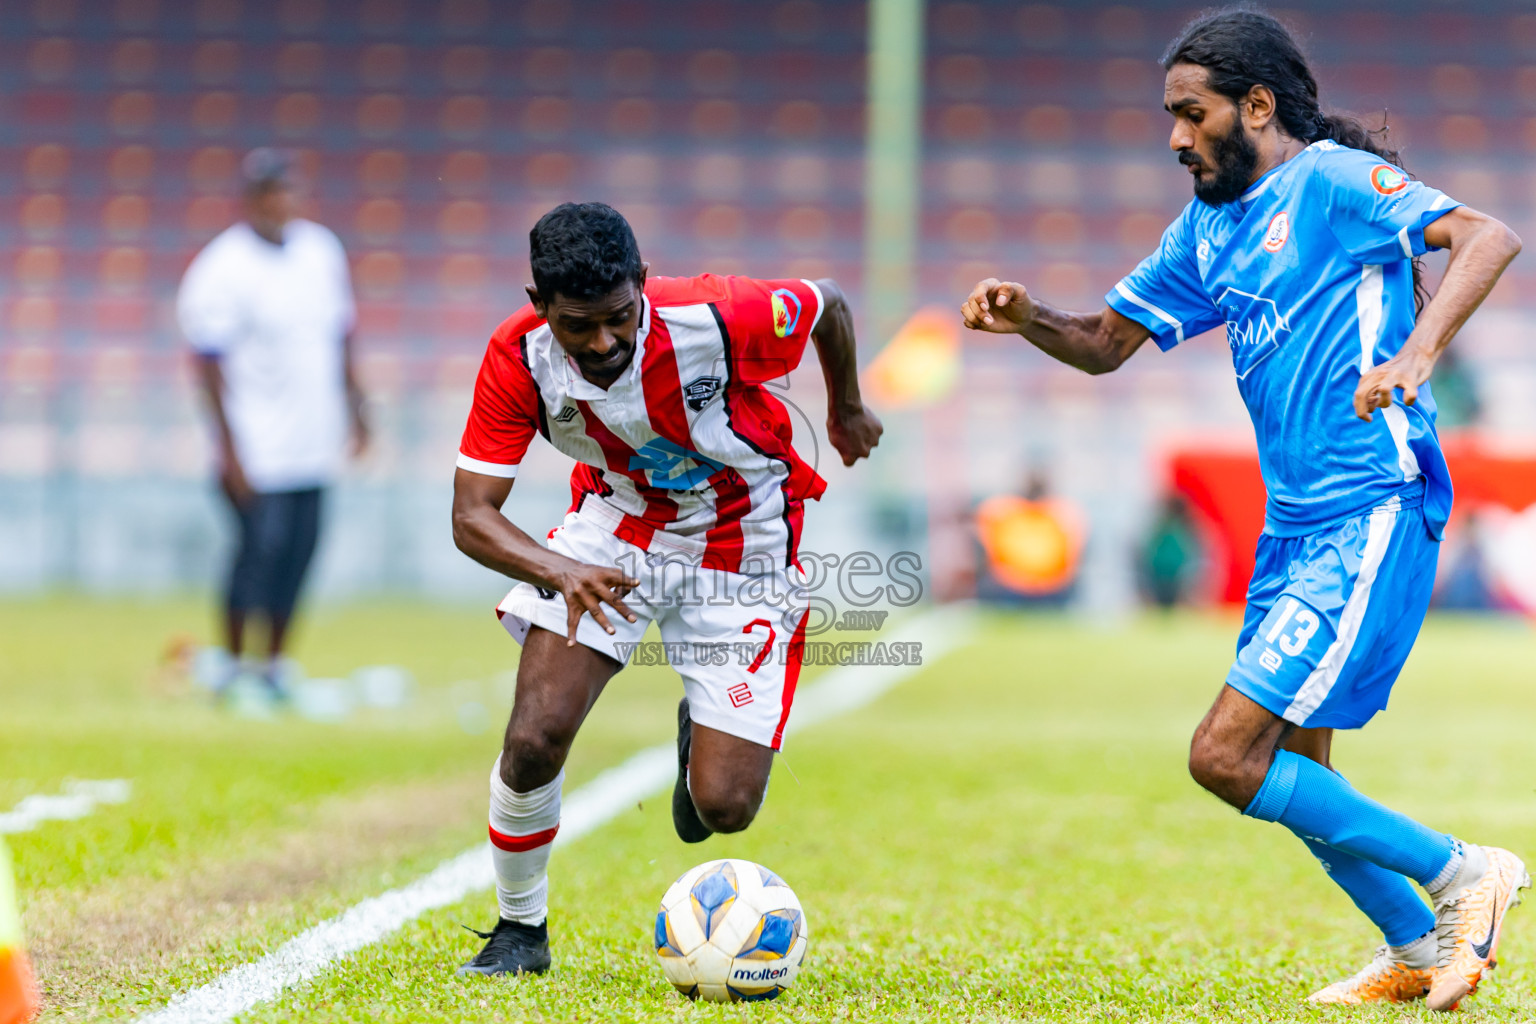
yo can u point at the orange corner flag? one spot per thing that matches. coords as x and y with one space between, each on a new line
18 992
921 364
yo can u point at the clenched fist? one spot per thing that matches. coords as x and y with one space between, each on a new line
999 307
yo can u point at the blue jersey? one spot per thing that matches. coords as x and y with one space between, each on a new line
1310 272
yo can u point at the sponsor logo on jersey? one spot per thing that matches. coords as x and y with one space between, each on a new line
1255 328
740 694
700 390
1279 232
1203 250
566 415
666 465
786 312
1387 179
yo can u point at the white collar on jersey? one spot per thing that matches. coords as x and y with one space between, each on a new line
578 387
1261 186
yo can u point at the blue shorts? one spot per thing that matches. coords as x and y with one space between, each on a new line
1332 616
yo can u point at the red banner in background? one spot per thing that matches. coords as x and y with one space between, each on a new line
1226 493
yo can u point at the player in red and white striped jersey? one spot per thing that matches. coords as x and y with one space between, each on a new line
687 504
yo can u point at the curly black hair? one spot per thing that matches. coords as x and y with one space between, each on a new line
582 251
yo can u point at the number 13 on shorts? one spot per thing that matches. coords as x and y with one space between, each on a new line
1292 638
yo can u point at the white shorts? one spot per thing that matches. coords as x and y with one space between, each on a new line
736 639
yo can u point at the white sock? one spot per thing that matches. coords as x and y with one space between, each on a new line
1421 953
523 827
1466 866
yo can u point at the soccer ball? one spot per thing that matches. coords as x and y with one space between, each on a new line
730 930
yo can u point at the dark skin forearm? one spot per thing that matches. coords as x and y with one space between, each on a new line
1092 342
1480 248
837 349
210 376
493 540
356 404
853 430
1084 340
490 538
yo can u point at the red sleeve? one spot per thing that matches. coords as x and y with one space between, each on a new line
505 414
769 323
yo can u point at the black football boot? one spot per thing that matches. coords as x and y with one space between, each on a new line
511 948
685 817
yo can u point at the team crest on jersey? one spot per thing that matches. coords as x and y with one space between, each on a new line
1279 232
699 391
566 415
1387 179
786 312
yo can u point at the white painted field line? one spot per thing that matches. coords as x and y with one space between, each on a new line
312 952
79 798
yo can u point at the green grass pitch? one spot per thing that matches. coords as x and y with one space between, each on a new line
1009 835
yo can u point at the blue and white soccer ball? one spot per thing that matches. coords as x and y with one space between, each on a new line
730 930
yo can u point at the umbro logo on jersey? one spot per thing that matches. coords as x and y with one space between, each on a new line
566 415
1279 232
700 390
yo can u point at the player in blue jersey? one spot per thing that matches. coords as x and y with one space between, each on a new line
1301 239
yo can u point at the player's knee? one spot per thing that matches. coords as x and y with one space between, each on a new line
732 815
1215 766
728 808
532 756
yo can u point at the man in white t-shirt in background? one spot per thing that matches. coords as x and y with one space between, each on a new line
267 307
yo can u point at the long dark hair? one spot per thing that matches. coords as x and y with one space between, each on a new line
1242 46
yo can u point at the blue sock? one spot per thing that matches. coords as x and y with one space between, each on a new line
1386 897
1316 804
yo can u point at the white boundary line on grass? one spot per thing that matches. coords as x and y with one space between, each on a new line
310 953
79 798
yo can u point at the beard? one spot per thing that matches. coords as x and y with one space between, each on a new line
1236 157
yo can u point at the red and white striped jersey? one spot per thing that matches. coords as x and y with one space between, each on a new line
687 451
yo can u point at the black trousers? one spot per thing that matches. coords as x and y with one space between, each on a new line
278 530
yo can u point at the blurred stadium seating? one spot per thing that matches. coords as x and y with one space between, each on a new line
729 131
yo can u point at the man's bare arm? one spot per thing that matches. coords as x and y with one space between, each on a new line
356 400
210 374
493 540
853 430
1481 247
1092 342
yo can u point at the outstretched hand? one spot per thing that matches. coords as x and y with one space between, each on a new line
998 307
